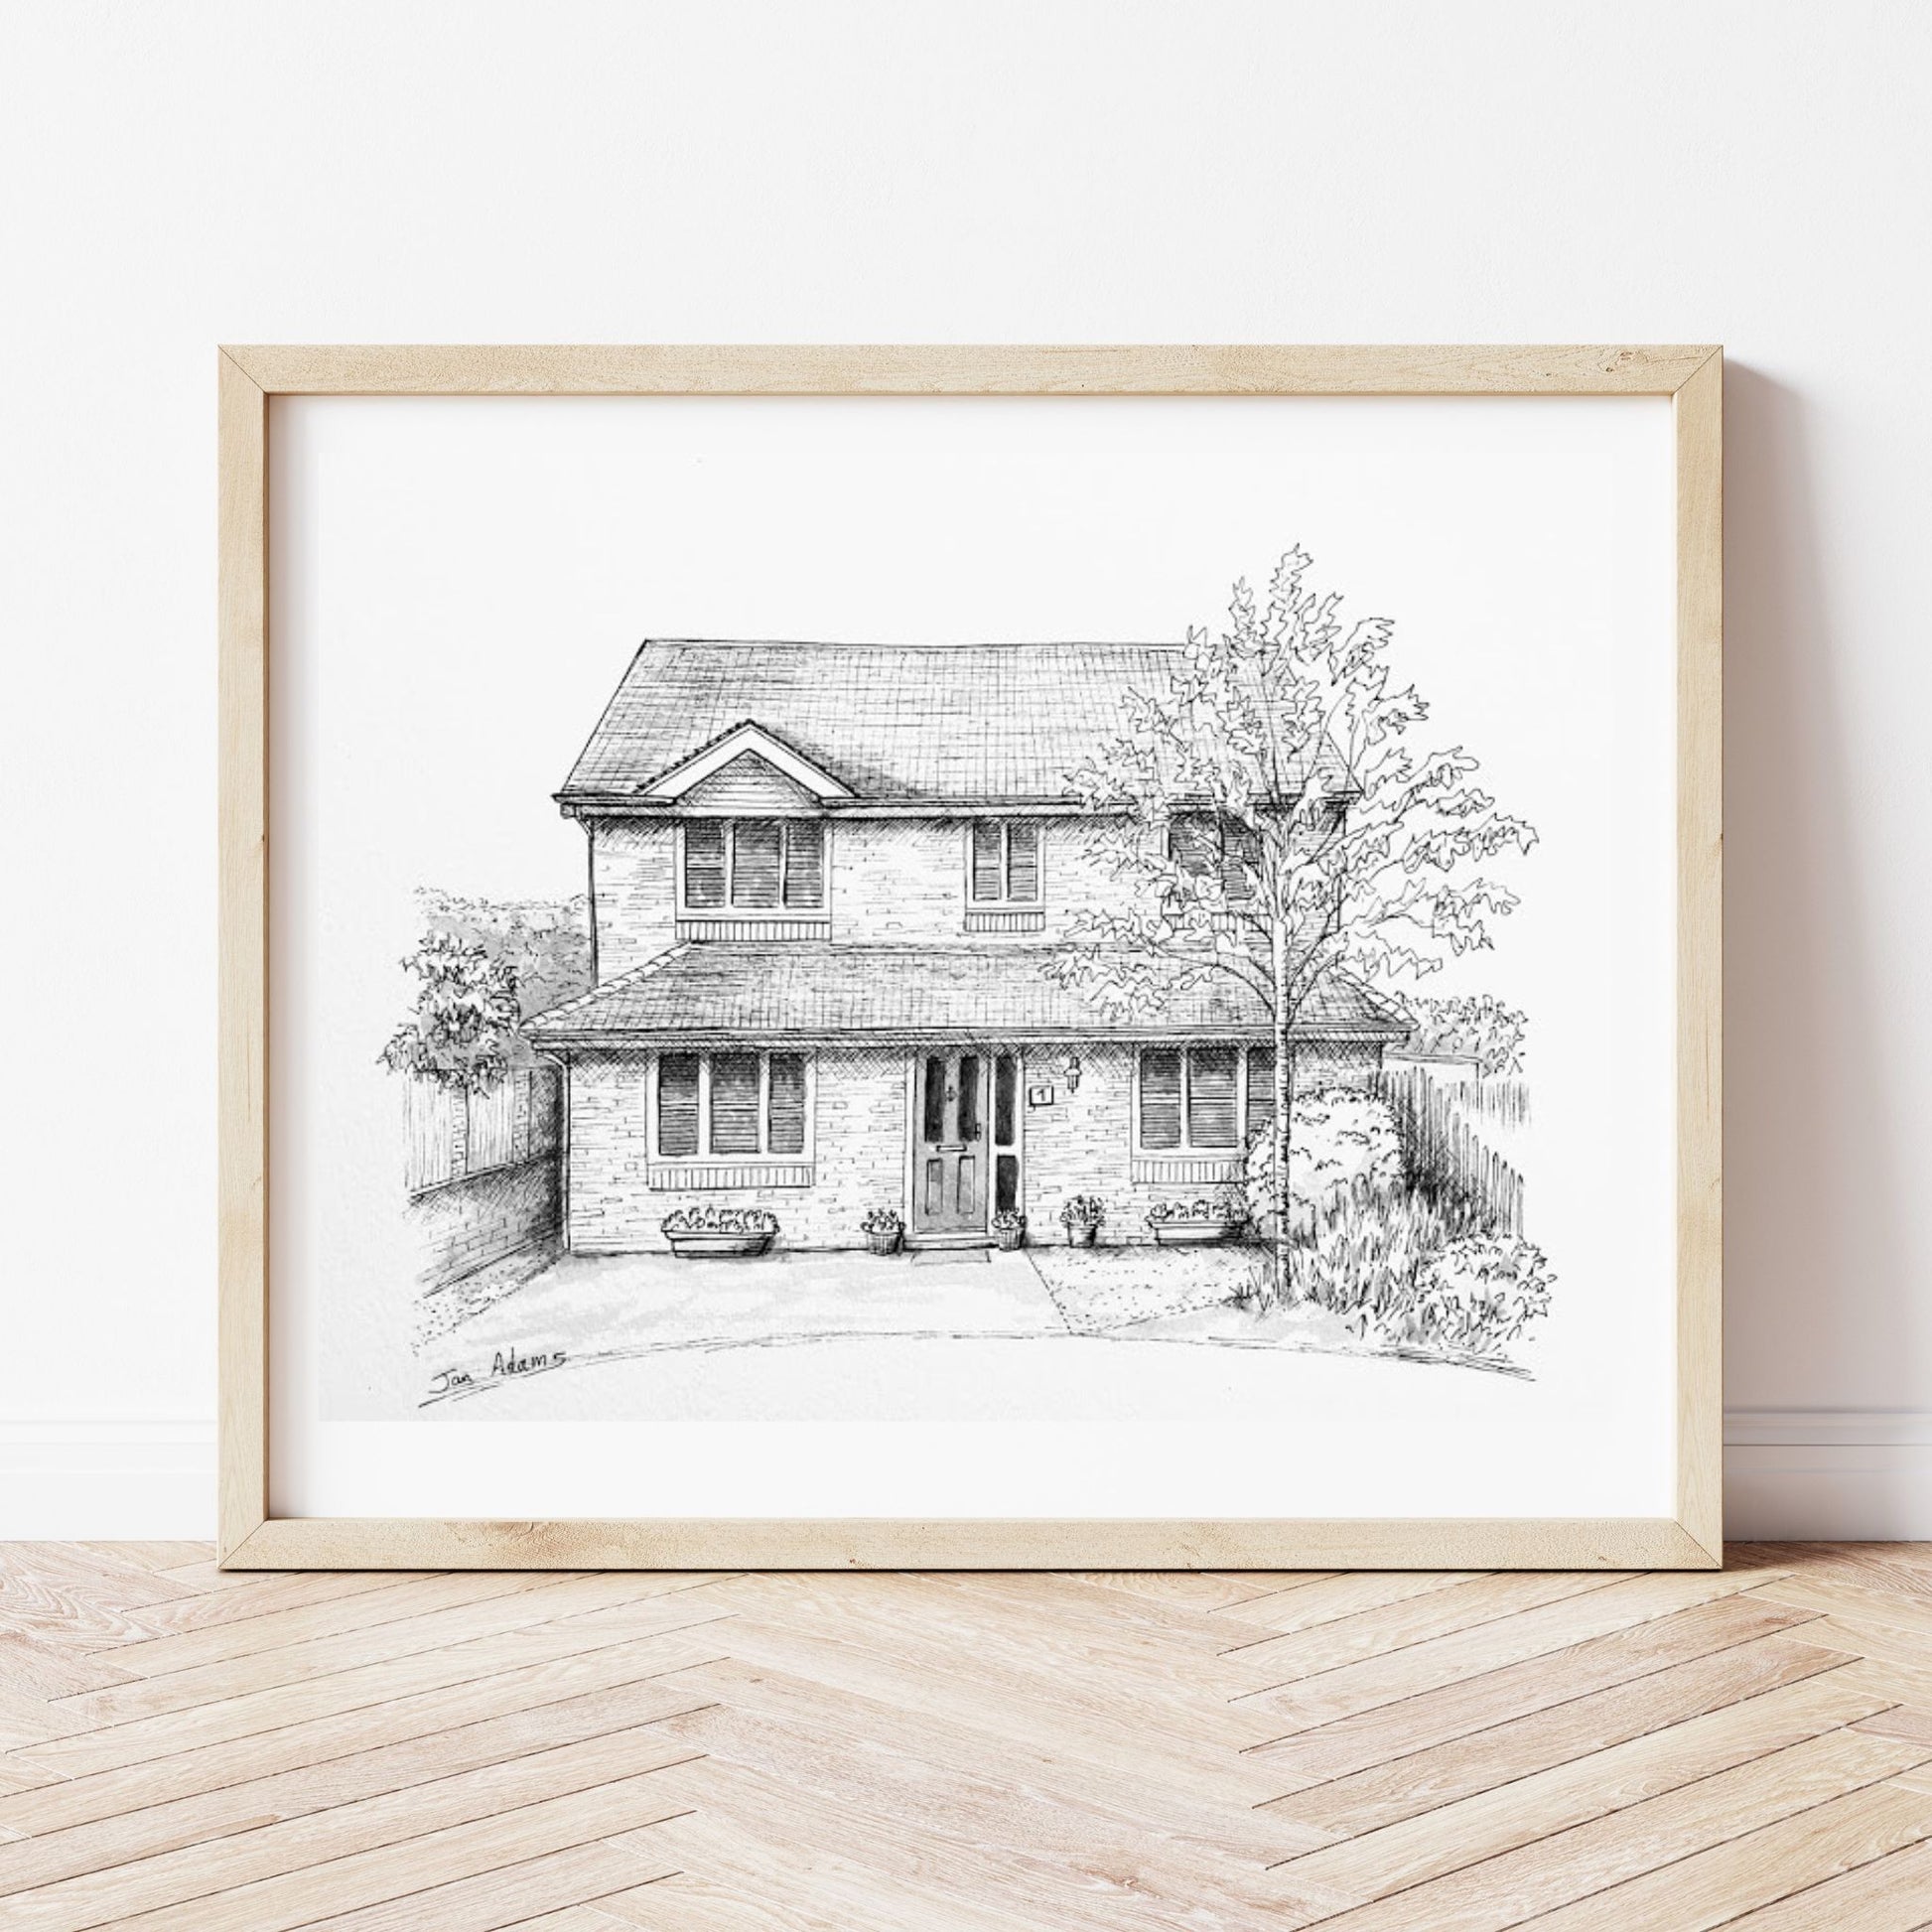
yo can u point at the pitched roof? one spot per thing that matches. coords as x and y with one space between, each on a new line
892 721
814 990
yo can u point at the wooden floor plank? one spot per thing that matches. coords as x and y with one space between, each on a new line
418 1865
461 1608
215 1643
735 1881
550 1890
1761 1868
233 1863
1499 1820
118 1793
270 1709
1407 1621
192 1750
1516 1744
1577 1864
1339 1691
184 1823
1889 1894
1405 1725
1332 1598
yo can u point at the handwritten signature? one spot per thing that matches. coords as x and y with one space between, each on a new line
504 1363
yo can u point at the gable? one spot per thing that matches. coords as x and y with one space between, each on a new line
731 748
745 787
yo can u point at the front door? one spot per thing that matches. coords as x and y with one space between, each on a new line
950 1153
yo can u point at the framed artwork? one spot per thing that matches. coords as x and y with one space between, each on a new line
1093 958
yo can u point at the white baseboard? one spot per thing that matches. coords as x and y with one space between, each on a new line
96 1480
1862 1474
1843 1474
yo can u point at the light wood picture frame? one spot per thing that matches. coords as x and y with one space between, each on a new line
249 377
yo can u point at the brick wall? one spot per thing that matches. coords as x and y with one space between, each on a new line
859 1123
630 879
889 882
1082 1144
465 1224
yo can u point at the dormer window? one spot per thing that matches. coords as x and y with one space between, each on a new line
1004 862
754 865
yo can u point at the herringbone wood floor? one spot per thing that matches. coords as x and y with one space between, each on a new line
181 1748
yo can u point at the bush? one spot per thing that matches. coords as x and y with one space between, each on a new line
1418 1273
720 1221
1338 1137
882 1220
1084 1211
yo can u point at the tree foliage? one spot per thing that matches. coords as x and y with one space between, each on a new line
1475 1026
481 969
1339 842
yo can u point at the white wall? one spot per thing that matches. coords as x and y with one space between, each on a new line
1758 174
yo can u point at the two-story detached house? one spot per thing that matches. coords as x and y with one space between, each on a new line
827 884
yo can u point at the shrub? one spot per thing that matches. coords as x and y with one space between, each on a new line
720 1221
882 1220
1477 1292
1084 1212
1419 1273
1338 1137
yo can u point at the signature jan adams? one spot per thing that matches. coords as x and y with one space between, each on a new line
505 1363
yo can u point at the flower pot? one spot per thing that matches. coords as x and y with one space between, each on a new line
717 1246
884 1244
1009 1237
1081 1234
1193 1234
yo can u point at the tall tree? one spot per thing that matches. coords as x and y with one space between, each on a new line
1271 822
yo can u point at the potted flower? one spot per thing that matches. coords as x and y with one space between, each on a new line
1008 1227
1198 1223
720 1230
883 1230
1081 1217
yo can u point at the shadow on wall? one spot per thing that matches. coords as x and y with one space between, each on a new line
1819 1309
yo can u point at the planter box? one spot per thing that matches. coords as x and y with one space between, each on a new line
885 1244
719 1246
1009 1237
1081 1234
1194 1234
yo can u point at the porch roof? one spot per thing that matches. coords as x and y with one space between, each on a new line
806 990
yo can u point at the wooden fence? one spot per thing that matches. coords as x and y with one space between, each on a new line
450 1134
1446 1154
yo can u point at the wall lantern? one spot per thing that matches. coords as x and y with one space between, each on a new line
1070 1070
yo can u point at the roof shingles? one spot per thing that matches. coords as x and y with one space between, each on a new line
819 990
906 722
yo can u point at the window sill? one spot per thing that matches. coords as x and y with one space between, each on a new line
1186 1169
1006 918
753 926
675 1176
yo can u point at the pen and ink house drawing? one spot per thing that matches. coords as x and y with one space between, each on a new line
979 944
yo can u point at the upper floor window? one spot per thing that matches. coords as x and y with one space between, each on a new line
758 865
1005 862
1210 843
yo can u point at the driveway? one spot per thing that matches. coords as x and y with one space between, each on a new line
873 1321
